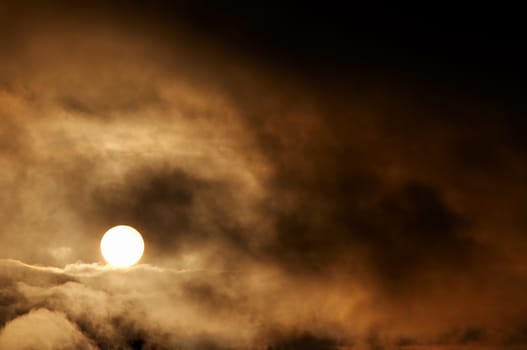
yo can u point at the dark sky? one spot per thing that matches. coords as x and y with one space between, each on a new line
305 176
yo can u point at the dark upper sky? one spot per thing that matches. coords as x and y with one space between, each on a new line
305 176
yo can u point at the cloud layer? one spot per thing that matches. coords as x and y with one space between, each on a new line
277 212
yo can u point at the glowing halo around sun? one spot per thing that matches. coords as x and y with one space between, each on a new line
122 246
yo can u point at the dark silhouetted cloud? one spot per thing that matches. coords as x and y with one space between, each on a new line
304 178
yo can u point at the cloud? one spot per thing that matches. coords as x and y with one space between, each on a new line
43 329
151 307
276 212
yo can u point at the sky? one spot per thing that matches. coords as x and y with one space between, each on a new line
305 177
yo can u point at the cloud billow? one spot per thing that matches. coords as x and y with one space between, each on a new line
282 208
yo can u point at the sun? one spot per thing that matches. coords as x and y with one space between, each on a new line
122 246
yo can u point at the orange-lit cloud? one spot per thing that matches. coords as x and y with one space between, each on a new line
278 210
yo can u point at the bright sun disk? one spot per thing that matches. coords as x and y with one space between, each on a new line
122 246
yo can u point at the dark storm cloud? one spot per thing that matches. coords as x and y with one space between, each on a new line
170 195
401 233
176 210
304 341
293 193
